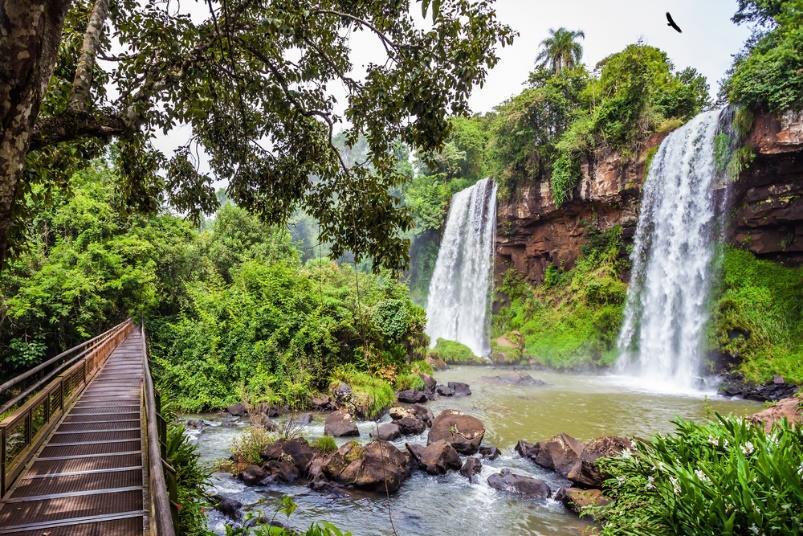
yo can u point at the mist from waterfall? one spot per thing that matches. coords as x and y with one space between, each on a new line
458 306
662 337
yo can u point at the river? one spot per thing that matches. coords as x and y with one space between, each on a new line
585 406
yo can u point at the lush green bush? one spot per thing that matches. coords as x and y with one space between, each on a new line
191 480
727 477
370 393
325 444
572 319
769 74
409 380
758 316
455 353
248 446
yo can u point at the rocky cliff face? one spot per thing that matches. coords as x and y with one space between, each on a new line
766 204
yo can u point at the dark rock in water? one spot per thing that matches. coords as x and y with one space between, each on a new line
560 453
253 475
377 466
519 484
228 507
282 470
237 410
436 458
575 499
436 362
315 472
471 467
429 382
463 432
322 403
587 472
772 391
414 410
340 424
303 419
296 450
489 452
411 396
526 449
195 424
521 379
262 420
342 394
411 425
387 431
460 389
444 390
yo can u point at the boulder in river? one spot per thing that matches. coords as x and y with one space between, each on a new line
460 388
788 408
444 390
342 394
412 396
411 425
253 475
561 453
575 499
519 379
471 467
587 472
340 424
463 432
519 484
429 382
414 410
436 362
283 470
228 507
298 451
322 403
237 410
387 431
377 466
302 419
489 452
435 458
778 388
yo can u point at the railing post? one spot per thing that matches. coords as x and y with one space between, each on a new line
2 461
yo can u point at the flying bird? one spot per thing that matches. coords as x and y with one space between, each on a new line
671 23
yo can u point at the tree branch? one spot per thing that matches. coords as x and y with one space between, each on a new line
73 125
89 51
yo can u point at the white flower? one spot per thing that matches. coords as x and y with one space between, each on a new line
675 485
754 529
800 470
748 449
620 480
650 483
713 441
701 475
626 454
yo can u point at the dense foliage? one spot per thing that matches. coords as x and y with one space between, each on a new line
454 353
572 319
758 316
726 477
768 74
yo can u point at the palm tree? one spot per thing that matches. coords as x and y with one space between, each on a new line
561 49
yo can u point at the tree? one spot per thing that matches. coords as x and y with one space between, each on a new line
561 50
253 82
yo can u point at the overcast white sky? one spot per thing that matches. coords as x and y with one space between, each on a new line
708 41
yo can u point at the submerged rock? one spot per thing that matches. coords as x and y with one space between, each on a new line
228 507
302 420
777 389
463 432
377 466
460 388
489 452
587 472
340 424
444 390
411 396
387 431
521 379
471 467
575 499
436 458
237 410
519 484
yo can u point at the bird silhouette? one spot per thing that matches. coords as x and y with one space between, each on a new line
671 23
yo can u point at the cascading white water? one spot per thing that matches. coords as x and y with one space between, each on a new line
458 302
661 341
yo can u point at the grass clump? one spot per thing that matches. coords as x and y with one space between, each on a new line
409 380
248 447
573 317
725 477
371 395
758 316
455 353
325 444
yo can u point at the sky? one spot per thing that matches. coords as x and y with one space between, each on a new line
708 42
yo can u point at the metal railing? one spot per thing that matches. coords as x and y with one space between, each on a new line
161 476
37 398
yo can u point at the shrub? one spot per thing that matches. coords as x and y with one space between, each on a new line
325 444
191 480
726 477
371 395
454 353
409 380
248 447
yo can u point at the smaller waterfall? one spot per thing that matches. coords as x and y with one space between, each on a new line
662 337
458 302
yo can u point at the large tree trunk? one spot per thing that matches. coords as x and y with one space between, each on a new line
30 31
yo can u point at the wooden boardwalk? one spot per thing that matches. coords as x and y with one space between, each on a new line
89 478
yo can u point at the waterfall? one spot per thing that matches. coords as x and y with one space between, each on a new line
458 303
662 337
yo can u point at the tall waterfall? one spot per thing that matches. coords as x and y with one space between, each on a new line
667 302
458 303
